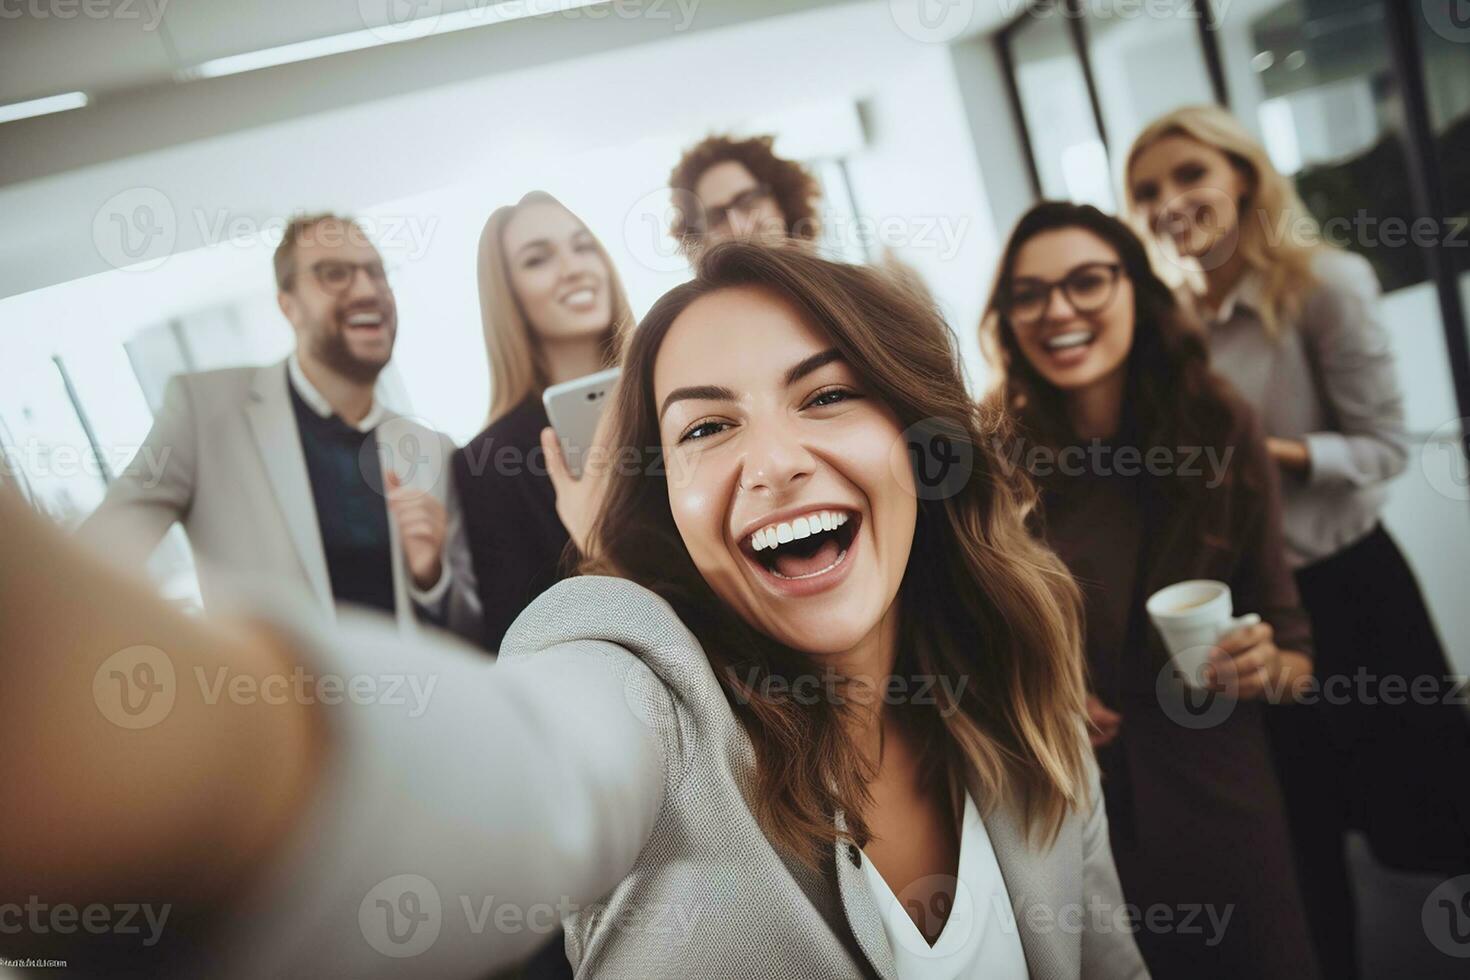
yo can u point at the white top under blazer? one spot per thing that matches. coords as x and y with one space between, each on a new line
979 940
594 778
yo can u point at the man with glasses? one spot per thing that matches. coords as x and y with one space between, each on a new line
293 476
726 188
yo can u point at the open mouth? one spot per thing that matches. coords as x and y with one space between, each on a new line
365 321
580 299
1069 346
805 547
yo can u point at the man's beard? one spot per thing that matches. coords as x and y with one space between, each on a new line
331 349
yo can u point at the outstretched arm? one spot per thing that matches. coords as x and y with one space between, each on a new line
293 777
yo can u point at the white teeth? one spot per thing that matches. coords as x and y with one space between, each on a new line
360 319
782 532
579 298
1072 338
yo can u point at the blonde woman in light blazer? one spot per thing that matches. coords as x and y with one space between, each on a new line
827 721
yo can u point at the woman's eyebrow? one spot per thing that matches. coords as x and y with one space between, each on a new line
810 364
701 392
721 394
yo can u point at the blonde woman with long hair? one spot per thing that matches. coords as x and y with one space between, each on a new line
1293 324
821 717
553 310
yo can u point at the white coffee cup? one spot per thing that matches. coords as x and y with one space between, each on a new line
1191 616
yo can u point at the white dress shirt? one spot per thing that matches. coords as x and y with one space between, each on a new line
980 937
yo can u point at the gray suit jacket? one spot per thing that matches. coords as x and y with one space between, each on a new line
224 459
754 911
594 774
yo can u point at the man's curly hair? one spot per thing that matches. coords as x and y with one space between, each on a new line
796 191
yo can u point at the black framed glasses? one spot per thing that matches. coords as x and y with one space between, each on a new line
337 275
1089 288
718 218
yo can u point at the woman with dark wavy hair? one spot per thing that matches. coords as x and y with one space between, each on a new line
1154 472
827 720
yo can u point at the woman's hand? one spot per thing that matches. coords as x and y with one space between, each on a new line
578 499
1290 454
1103 723
1247 664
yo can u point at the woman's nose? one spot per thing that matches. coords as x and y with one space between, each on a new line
775 459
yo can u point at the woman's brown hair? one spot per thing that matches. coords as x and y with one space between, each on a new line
796 191
981 599
1171 397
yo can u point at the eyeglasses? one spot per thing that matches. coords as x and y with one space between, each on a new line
1089 288
337 275
718 218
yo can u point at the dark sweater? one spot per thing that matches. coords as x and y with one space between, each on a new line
515 537
350 507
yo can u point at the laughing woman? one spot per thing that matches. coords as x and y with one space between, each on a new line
820 725
553 310
1294 325
1100 364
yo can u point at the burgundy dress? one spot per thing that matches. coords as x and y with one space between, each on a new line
1198 826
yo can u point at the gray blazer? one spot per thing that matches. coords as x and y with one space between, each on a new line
595 777
224 459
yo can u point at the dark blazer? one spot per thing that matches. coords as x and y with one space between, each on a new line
1195 809
516 540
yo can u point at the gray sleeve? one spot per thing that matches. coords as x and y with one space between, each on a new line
1355 367
154 490
1109 951
464 808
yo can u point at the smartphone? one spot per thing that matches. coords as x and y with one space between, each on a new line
574 408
